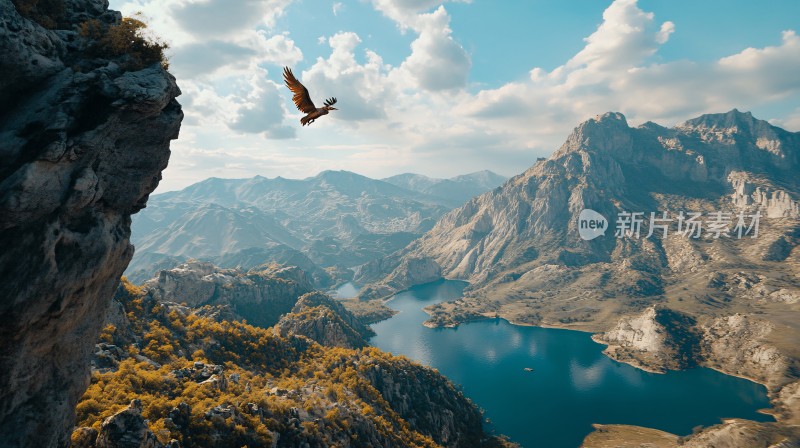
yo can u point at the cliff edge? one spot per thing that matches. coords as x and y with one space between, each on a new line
84 137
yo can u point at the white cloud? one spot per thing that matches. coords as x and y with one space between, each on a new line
215 18
406 12
262 110
337 7
437 62
418 115
204 58
362 90
280 50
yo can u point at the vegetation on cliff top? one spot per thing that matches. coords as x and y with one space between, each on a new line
270 387
128 39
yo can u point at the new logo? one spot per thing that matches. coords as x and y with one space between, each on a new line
591 224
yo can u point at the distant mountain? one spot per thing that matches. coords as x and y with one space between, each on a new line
337 219
455 190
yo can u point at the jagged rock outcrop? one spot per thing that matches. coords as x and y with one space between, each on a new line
658 339
127 429
260 296
322 319
774 203
661 339
739 344
82 144
427 400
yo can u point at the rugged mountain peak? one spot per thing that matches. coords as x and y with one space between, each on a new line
606 133
83 141
733 119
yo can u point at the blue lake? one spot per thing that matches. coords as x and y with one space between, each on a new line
572 384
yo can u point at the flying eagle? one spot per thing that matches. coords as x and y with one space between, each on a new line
303 101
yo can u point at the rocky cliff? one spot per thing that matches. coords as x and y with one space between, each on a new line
264 296
83 140
260 296
324 320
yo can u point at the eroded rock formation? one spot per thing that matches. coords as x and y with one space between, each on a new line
82 145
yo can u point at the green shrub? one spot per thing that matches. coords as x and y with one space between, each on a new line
128 40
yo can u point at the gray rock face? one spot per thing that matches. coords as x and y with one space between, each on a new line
773 202
79 153
127 429
658 339
260 296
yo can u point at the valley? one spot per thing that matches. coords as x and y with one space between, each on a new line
664 302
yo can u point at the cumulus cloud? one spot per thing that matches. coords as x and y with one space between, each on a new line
419 115
625 37
262 112
615 71
362 90
279 50
214 18
437 62
406 12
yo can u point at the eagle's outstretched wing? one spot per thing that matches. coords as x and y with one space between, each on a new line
301 97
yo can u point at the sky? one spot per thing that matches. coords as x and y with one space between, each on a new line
443 88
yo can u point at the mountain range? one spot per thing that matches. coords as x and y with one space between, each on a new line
335 219
456 190
567 244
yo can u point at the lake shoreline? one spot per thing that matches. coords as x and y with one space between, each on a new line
415 311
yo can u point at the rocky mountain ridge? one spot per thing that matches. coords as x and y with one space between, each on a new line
266 296
457 190
337 219
83 137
